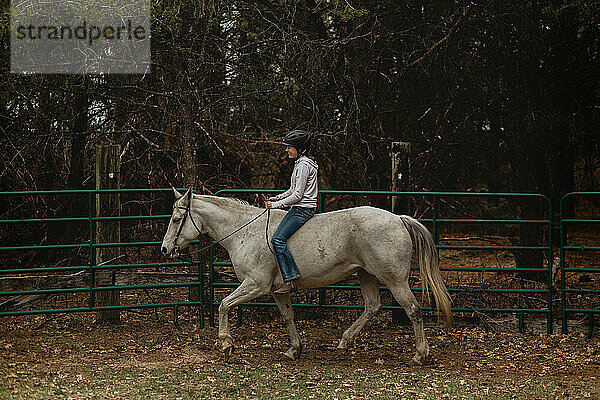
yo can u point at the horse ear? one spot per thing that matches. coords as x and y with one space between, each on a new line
177 194
188 194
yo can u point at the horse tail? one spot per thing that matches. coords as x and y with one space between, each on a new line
429 265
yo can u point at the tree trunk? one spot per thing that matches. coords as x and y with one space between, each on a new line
107 177
189 158
533 165
80 106
79 133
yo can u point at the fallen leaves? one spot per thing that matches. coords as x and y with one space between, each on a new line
156 358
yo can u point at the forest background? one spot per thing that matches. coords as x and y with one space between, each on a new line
496 96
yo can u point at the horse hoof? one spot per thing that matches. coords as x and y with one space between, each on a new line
341 352
291 355
420 361
228 352
415 363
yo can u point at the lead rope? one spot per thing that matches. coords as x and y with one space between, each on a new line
268 211
267 231
228 236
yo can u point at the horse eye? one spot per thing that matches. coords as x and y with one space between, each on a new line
176 220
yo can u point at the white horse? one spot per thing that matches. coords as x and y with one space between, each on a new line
369 241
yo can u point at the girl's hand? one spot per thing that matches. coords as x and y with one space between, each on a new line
268 204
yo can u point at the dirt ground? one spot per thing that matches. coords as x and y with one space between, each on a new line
70 356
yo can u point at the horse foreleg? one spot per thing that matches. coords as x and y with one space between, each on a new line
407 300
369 287
285 308
247 290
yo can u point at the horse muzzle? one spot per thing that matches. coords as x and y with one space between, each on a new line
174 252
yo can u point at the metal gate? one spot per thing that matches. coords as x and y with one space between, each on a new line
580 264
19 245
493 234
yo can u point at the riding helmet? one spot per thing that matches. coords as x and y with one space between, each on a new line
299 139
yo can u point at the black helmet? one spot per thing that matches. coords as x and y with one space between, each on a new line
299 139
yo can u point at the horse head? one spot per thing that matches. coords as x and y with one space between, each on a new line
182 227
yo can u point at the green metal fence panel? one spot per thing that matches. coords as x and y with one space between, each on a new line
437 222
579 293
328 199
13 245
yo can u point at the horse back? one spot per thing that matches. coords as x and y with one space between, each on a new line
350 234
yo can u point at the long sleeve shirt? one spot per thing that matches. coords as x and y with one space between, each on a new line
303 186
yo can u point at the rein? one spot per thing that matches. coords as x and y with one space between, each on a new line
188 212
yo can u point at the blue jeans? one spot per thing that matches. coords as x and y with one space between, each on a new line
293 220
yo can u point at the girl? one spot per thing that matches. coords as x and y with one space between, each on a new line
301 197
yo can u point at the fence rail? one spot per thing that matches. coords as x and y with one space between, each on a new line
477 286
92 268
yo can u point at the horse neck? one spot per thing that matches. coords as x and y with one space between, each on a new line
220 217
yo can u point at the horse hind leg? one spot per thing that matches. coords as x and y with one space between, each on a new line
369 287
404 296
285 308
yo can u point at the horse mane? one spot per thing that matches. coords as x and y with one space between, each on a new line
236 200
231 201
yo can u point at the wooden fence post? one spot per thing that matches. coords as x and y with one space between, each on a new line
108 174
400 154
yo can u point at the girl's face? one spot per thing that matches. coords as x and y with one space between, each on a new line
292 152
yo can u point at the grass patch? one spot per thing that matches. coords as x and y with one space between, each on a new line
279 381
140 360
